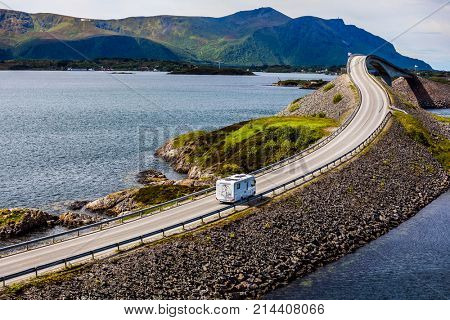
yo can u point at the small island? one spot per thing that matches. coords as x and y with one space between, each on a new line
302 84
121 72
195 70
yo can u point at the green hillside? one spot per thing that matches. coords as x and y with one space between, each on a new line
256 37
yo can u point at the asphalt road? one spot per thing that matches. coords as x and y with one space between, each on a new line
373 109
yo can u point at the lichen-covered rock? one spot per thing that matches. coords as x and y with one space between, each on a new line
20 221
151 176
177 157
77 205
74 220
114 203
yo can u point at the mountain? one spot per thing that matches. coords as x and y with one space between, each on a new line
256 37
311 41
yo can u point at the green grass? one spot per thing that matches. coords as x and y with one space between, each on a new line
7 216
440 79
337 98
439 146
328 87
294 107
154 194
259 125
441 118
183 139
250 145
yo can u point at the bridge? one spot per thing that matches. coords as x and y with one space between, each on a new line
352 137
387 70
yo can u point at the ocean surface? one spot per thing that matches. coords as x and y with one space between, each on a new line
442 112
81 135
409 262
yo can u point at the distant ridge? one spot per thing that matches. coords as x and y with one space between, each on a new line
256 37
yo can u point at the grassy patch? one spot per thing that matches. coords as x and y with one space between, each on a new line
355 92
294 107
154 194
15 289
328 87
337 98
439 146
441 118
440 79
7 216
182 139
250 145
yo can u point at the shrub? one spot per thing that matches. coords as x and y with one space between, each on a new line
230 168
294 107
320 115
337 98
328 87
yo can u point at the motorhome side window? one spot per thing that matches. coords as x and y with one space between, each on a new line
253 183
238 186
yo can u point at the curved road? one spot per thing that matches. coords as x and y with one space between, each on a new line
374 107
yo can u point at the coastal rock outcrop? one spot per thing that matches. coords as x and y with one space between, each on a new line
77 205
19 221
114 203
177 157
74 220
152 176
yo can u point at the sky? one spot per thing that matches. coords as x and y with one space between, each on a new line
429 40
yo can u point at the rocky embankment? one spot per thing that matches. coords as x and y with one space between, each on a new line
19 221
271 245
323 101
22 221
403 100
178 158
425 93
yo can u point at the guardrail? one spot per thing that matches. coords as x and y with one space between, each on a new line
283 187
139 214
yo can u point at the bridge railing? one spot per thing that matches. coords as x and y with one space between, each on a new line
201 219
141 213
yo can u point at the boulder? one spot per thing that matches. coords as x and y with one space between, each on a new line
77 205
109 204
151 176
74 220
20 221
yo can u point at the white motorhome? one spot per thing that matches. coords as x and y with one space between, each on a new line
235 188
